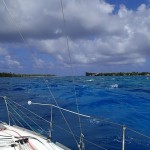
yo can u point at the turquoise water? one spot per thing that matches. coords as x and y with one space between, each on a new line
118 100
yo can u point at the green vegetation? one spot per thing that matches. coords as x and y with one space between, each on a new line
4 74
119 74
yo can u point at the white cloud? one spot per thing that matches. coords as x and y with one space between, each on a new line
96 35
142 7
8 62
39 63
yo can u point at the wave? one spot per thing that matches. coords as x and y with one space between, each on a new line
103 102
18 89
140 90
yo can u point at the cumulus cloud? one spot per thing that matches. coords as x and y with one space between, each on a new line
39 62
7 62
96 34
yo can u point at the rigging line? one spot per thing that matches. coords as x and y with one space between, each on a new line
61 109
103 120
30 111
12 19
15 24
18 29
16 119
5 139
12 119
106 120
5 99
31 121
5 136
12 137
68 48
138 133
29 118
61 112
51 124
30 137
22 119
79 137
24 146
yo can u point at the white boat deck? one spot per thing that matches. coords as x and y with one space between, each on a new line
17 138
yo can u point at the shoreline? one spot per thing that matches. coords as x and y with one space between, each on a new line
4 74
118 74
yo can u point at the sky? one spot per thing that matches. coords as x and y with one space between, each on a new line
94 36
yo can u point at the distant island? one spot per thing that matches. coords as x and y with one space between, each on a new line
4 74
119 74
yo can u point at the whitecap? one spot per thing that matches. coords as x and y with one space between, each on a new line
90 80
114 86
94 121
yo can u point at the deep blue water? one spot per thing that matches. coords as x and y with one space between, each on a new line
121 100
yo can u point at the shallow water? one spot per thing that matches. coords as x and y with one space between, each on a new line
122 100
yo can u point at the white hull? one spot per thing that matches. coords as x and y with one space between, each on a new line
17 138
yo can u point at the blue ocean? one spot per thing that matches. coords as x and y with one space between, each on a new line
111 101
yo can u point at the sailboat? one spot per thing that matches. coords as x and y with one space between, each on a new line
14 137
17 137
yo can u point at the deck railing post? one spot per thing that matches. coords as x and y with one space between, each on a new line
5 99
123 138
81 143
51 124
